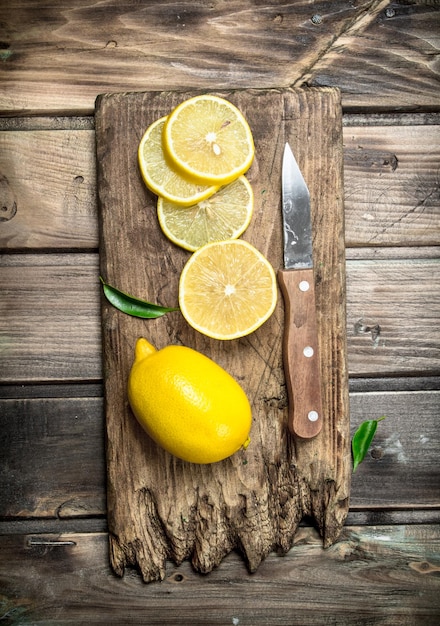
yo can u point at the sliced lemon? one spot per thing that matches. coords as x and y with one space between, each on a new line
227 289
224 215
208 139
160 177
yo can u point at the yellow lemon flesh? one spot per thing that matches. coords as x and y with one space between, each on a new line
224 215
160 177
208 139
187 403
227 289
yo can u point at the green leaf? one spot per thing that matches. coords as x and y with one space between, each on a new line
133 306
362 439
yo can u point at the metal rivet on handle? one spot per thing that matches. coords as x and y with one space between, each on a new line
304 285
308 351
313 416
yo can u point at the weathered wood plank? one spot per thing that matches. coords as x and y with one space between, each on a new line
394 253
52 452
397 469
391 383
48 202
390 182
357 118
52 458
389 62
392 185
87 122
375 575
393 310
50 317
55 59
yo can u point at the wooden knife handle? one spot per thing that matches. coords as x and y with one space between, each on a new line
301 354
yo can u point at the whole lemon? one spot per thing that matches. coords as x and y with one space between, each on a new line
187 403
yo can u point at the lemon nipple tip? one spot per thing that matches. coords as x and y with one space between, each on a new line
143 349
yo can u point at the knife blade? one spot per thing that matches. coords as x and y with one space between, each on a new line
300 342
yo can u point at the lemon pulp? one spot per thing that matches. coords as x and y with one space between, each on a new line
208 139
227 289
160 177
224 215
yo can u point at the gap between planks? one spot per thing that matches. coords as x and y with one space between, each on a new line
357 516
94 389
87 122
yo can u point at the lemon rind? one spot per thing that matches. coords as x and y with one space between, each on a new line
238 334
192 248
196 175
160 190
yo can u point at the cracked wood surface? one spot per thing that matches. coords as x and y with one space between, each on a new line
380 55
160 507
400 194
373 573
55 59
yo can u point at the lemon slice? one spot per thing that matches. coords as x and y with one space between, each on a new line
208 139
227 289
160 177
224 215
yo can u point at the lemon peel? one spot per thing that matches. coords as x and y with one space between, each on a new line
227 289
208 140
161 177
224 215
188 404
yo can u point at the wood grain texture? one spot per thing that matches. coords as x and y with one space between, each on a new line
372 330
302 371
390 187
50 318
58 57
384 254
47 202
383 575
54 449
392 59
403 442
45 340
254 500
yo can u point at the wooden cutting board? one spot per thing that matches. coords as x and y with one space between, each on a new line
161 508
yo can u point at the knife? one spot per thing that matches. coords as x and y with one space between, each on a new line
300 348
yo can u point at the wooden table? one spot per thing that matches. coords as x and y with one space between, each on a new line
56 58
